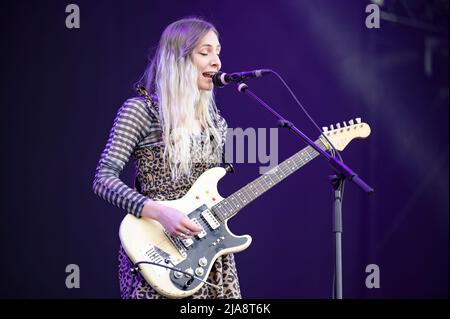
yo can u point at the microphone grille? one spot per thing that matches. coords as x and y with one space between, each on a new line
217 79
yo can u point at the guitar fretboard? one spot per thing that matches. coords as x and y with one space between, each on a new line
235 202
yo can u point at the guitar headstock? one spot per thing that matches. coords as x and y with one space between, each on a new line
344 133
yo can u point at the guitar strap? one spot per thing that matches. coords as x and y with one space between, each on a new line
140 89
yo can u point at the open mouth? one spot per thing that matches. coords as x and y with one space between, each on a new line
208 75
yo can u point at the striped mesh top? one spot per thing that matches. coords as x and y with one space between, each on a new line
136 126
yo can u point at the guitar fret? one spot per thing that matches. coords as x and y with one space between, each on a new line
239 199
227 208
223 211
245 196
218 212
266 185
232 202
270 180
235 202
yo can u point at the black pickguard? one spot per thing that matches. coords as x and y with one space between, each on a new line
204 247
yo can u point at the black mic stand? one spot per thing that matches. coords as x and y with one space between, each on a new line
343 173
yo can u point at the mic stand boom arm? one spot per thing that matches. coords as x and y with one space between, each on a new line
343 172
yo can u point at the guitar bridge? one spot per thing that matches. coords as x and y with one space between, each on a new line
177 243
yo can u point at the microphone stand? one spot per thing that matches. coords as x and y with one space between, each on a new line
343 172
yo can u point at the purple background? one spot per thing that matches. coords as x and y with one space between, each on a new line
61 89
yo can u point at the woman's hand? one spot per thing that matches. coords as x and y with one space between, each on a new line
174 221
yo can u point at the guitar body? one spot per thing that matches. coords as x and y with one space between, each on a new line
146 240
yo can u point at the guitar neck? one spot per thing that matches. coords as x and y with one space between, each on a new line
235 202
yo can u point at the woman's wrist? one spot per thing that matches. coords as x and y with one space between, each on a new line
151 209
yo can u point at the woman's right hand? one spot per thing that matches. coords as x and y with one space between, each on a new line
174 221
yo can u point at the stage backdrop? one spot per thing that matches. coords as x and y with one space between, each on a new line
61 88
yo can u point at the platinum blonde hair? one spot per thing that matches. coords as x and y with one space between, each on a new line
172 77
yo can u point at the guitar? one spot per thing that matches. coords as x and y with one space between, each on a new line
176 267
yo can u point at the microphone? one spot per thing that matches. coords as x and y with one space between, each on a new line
221 79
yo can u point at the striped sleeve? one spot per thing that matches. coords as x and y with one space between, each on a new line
131 125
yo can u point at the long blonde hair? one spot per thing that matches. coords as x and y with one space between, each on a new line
172 77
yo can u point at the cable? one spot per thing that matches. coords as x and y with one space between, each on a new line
188 283
334 152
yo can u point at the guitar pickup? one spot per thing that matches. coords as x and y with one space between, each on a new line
187 242
210 219
203 232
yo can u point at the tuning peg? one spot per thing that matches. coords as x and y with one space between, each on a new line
331 127
325 128
351 122
338 125
358 120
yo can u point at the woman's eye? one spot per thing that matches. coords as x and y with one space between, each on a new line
204 54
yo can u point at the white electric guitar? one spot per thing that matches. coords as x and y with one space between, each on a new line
177 268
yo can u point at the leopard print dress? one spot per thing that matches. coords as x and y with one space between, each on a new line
155 182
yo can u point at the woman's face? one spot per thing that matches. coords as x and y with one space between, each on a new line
206 58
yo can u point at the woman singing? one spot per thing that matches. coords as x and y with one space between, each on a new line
173 132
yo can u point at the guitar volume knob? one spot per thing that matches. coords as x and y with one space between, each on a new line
203 261
177 274
199 271
189 271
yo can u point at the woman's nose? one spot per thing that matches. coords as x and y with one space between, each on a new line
216 62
